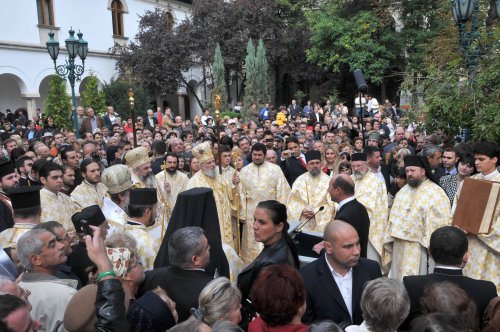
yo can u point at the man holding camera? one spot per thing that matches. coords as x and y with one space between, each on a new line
292 161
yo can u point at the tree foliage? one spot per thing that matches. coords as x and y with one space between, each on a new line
58 104
219 82
116 95
262 73
345 36
251 79
92 96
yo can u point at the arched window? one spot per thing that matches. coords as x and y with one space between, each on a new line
170 21
45 12
117 17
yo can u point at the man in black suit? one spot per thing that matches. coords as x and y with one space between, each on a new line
294 110
292 162
183 280
448 247
159 148
351 211
335 281
315 117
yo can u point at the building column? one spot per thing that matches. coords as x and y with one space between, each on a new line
182 105
30 104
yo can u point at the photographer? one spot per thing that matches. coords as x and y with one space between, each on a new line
292 160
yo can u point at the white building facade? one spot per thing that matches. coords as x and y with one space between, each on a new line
25 65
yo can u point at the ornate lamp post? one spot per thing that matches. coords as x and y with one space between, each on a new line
69 70
462 11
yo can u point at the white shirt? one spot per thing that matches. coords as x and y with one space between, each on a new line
345 201
344 283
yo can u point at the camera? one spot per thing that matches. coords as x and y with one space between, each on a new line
293 154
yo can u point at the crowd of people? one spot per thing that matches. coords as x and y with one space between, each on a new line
296 219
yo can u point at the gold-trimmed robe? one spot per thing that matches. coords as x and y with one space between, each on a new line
147 245
311 191
56 207
415 214
115 216
10 236
86 194
259 183
178 183
372 193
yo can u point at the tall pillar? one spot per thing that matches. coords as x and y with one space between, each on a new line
30 104
182 105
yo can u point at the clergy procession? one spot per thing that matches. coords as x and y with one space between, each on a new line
296 222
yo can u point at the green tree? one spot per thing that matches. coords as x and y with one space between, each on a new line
251 88
93 97
219 82
261 70
116 95
58 104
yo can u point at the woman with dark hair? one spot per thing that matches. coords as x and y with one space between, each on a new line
270 228
465 168
279 297
48 126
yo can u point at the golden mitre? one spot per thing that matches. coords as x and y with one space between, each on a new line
203 152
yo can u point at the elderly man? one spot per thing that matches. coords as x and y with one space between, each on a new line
260 181
142 177
434 155
56 205
27 209
183 280
41 254
151 121
334 282
420 207
309 193
224 192
92 122
378 316
91 191
371 192
117 179
142 213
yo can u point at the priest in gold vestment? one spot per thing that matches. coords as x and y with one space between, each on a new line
372 193
91 191
310 192
56 205
171 181
484 249
420 207
260 181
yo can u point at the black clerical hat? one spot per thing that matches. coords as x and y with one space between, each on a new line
143 196
313 155
6 168
359 156
92 214
25 197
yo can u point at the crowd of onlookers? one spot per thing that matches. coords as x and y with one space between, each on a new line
97 282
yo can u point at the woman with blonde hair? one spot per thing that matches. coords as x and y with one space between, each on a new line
332 160
237 158
219 300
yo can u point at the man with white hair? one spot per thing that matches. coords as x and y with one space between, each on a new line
224 193
371 192
143 177
151 121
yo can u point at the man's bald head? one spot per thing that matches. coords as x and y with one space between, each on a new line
341 187
335 228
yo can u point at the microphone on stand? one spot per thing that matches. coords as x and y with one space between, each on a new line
321 208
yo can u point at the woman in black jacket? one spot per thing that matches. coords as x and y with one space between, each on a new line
270 227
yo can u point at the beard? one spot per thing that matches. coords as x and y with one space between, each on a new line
171 171
315 172
211 173
414 182
148 180
359 175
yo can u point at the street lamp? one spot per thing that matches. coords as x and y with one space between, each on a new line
69 70
462 11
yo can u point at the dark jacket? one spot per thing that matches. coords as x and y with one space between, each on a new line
277 253
292 168
480 291
355 214
110 307
182 286
312 118
324 300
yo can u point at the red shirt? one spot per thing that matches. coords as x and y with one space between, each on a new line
258 325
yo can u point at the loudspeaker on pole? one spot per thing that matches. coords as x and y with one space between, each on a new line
360 81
